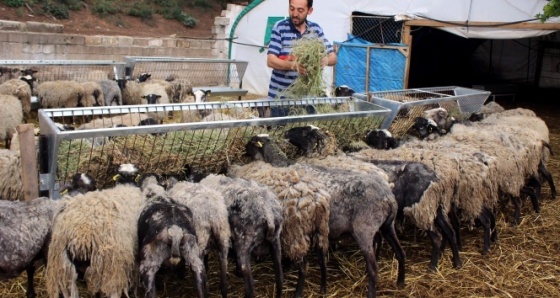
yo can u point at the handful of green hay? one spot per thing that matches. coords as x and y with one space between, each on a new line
308 53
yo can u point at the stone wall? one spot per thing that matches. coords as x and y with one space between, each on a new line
44 41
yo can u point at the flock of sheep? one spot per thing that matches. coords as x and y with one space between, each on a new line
450 175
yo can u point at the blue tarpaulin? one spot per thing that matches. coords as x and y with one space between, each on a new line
387 65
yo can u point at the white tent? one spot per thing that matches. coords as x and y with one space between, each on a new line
467 18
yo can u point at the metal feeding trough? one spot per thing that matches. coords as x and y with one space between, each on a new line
405 105
207 136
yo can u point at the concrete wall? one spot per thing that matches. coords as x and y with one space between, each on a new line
43 41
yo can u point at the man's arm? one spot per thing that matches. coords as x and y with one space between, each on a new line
330 60
275 62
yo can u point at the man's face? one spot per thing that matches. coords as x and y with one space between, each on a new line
299 11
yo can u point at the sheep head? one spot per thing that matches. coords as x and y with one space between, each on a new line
306 138
381 139
343 90
262 147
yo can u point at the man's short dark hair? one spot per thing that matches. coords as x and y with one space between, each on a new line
309 3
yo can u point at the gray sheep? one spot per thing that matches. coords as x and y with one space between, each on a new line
112 93
166 236
255 217
360 204
210 219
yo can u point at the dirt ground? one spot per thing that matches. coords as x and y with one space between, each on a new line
86 23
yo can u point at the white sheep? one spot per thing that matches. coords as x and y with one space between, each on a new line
20 88
11 115
99 227
210 218
255 217
10 175
60 94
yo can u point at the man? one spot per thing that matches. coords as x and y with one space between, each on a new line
284 34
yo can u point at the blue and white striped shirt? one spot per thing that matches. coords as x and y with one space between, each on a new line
282 39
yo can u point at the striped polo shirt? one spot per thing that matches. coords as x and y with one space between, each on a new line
282 39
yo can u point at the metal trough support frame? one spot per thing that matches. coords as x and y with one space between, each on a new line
207 145
223 77
407 104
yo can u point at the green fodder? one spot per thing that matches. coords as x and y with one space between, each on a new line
308 53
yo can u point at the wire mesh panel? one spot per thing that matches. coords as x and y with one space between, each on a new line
70 70
377 29
405 105
199 71
206 137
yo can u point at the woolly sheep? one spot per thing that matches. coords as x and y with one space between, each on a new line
23 237
411 183
21 89
131 92
305 209
210 219
11 115
60 94
101 228
131 119
26 228
111 93
255 217
93 94
10 175
360 204
166 235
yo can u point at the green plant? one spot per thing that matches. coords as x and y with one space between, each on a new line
202 3
165 3
551 9
141 10
187 20
55 9
105 7
14 3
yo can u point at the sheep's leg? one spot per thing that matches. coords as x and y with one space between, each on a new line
442 222
302 274
389 233
365 240
148 269
243 260
492 218
378 241
532 194
516 210
436 238
223 270
456 224
276 248
546 174
323 266
484 221
30 287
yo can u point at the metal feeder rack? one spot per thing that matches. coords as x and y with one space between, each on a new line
405 105
166 147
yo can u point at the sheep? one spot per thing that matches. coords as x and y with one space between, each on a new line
467 182
210 219
80 183
360 204
23 237
93 94
255 217
305 209
131 119
11 115
131 92
20 88
26 228
412 183
111 92
97 230
343 90
60 94
201 95
166 236
381 139
10 175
